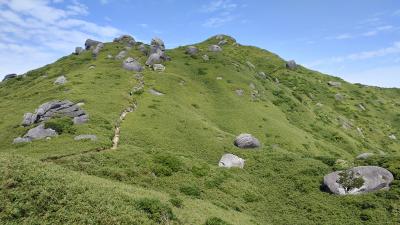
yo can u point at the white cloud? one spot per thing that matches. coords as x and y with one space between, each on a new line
215 22
393 49
44 32
222 12
103 2
219 5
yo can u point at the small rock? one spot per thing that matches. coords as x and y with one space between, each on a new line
319 104
230 160
262 75
86 137
132 65
222 42
339 97
158 67
121 55
362 107
249 64
246 141
214 48
358 180
154 92
80 119
109 56
192 50
239 92
79 50
252 86
92 67
364 155
219 37
291 64
219 78
393 137
60 80
205 57
334 83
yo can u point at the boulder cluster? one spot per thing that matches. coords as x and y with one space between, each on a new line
47 111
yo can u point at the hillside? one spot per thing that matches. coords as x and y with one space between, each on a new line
176 125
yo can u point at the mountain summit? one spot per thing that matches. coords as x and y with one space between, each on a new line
212 133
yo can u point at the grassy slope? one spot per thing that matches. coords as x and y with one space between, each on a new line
171 144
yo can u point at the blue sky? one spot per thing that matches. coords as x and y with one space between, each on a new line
358 40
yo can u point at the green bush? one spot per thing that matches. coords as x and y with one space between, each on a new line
155 210
166 165
61 125
191 190
177 202
215 221
349 181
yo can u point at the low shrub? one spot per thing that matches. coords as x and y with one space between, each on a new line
215 221
155 210
61 125
191 190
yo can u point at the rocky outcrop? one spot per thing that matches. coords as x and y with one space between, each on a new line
127 40
132 65
80 119
230 160
60 80
192 50
155 58
291 64
51 109
222 42
85 137
214 48
90 44
9 76
157 52
246 141
358 180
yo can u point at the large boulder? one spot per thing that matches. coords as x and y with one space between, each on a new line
40 132
358 180
214 48
154 58
126 40
246 141
89 44
52 109
60 80
132 65
230 160
291 64
157 42
79 50
9 76
192 50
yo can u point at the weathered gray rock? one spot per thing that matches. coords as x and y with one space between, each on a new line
262 75
360 132
80 119
345 123
121 55
132 65
214 48
142 48
154 92
158 43
40 132
51 109
10 76
339 97
222 42
97 49
79 50
205 57
362 107
126 40
21 140
246 141
60 80
358 180
334 83
291 64
158 67
364 155
85 137
192 50
250 65
91 67
230 160
89 44
219 36
154 58
393 137
239 92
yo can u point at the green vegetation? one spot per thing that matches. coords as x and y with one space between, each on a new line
350 181
165 169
